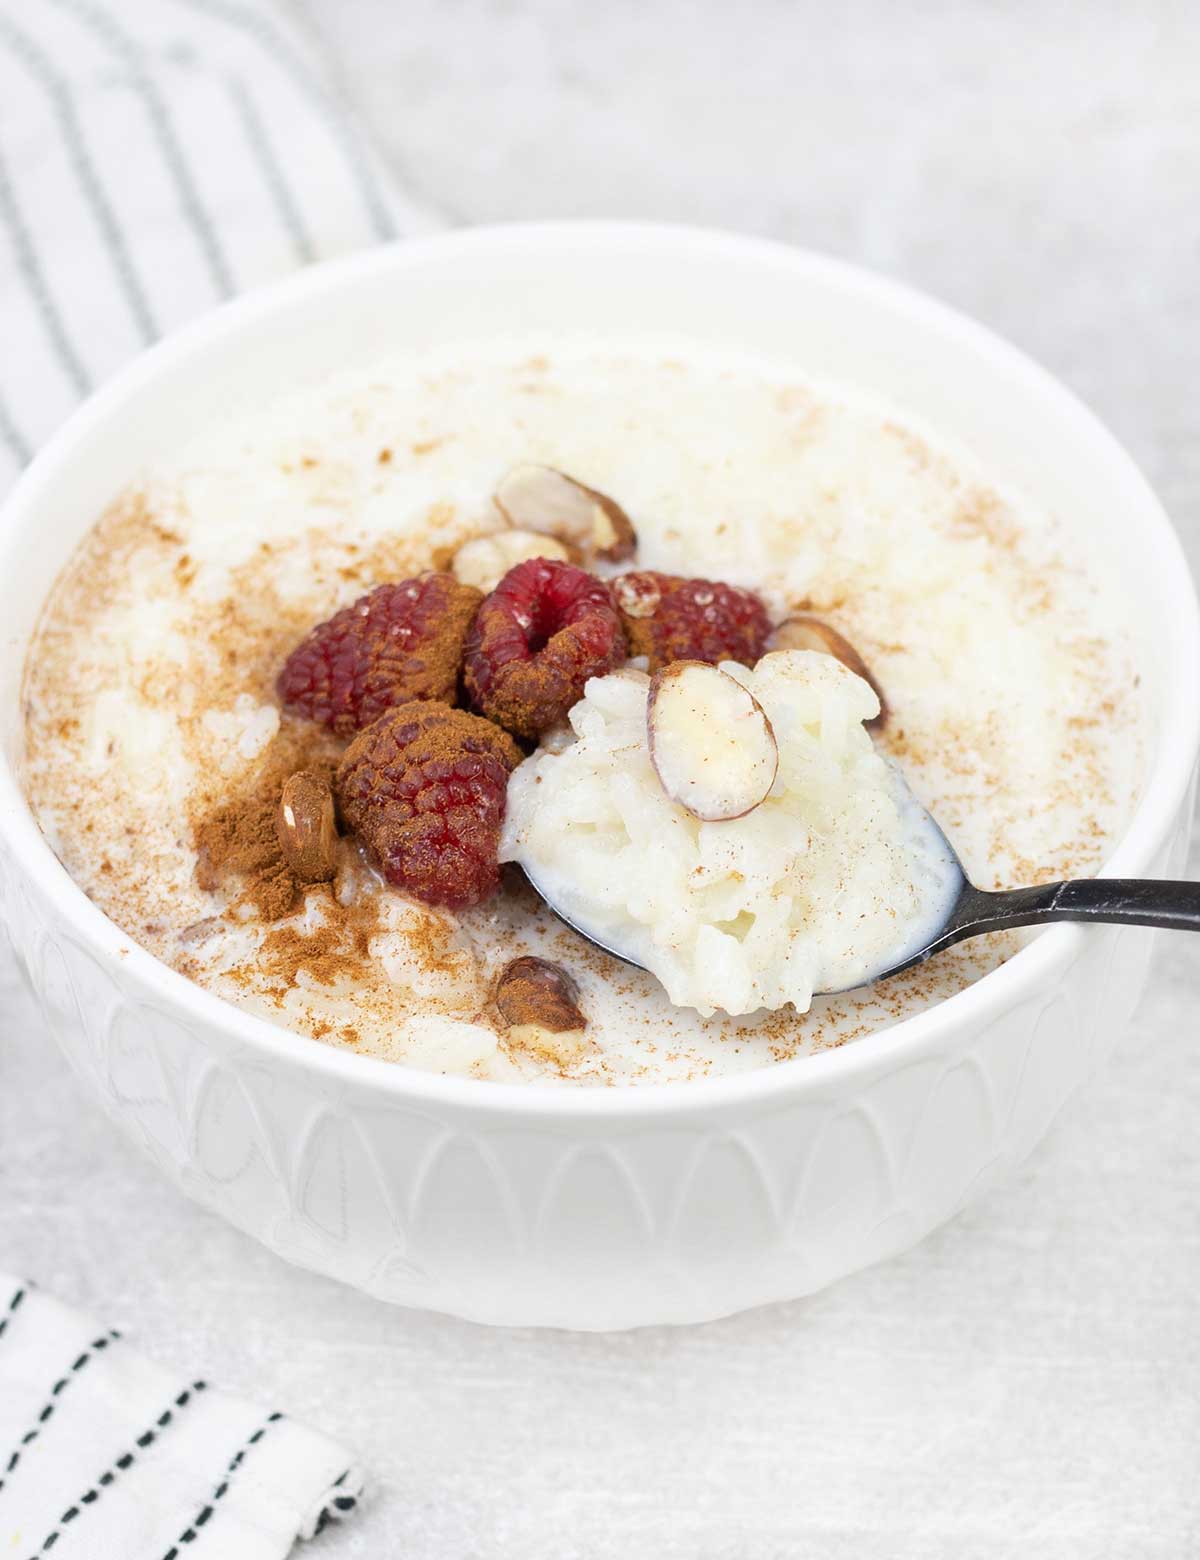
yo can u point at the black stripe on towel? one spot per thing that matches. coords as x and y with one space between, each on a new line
38 286
11 1308
58 88
126 1461
276 49
96 1346
273 172
189 1533
102 22
337 1506
22 452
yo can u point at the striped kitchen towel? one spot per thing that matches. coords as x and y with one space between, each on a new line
157 157
107 1456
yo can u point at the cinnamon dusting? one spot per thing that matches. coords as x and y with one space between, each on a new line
237 842
339 949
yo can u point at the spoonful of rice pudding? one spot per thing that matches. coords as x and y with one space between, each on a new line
735 832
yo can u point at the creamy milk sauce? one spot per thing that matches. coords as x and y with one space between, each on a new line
150 683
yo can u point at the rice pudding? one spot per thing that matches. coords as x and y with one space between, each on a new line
157 749
734 831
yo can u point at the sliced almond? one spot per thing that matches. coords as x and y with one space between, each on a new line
198 931
542 499
306 828
802 632
485 560
711 743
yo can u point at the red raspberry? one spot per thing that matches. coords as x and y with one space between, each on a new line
671 619
545 629
396 643
424 788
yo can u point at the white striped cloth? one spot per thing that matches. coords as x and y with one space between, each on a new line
157 157
107 1456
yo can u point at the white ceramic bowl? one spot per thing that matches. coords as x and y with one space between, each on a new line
577 1208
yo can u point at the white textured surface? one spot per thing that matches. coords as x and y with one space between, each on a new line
1027 1381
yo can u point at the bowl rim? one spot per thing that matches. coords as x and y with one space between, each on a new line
900 1044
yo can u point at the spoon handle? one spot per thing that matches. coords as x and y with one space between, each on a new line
1124 901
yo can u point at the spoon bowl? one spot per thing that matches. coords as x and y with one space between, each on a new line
972 911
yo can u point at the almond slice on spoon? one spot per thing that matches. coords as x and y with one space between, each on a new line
538 498
803 632
711 743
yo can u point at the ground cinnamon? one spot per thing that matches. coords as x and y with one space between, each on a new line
341 948
237 843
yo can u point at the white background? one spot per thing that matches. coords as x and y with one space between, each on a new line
1027 1382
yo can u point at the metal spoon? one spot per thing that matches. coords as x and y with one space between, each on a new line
974 911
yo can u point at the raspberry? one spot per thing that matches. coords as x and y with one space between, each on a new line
396 643
424 788
671 619
545 629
